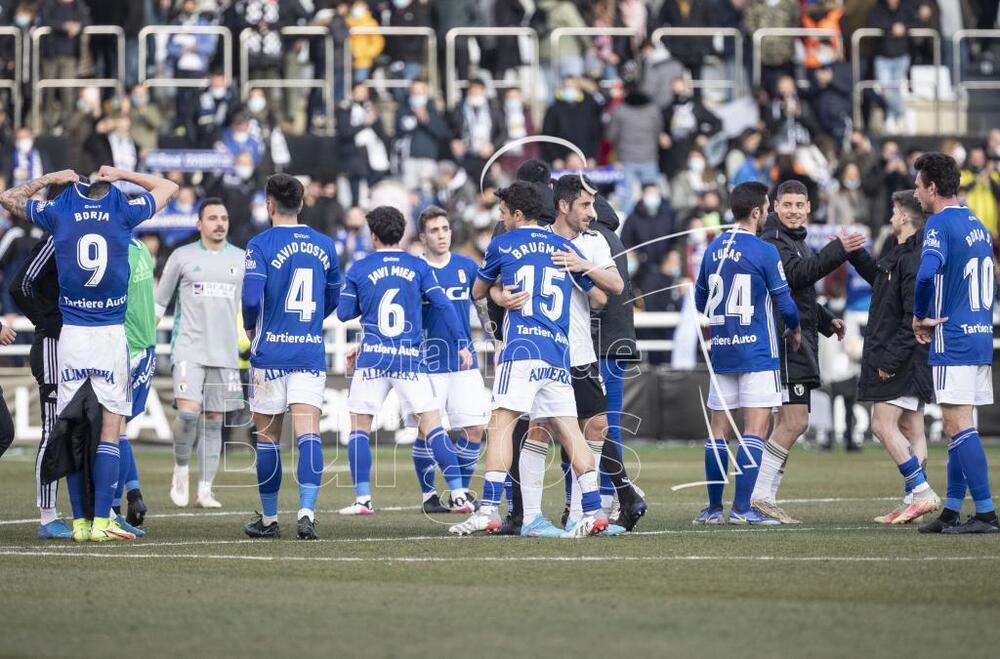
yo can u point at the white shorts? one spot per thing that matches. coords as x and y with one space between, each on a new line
963 385
733 391
99 354
370 386
534 387
272 391
461 397
908 403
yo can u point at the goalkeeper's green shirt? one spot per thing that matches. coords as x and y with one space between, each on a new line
140 315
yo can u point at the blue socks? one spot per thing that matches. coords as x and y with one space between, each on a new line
567 470
447 459
748 459
268 478
77 494
493 487
423 464
310 471
614 386
957 485
359 455
716 467
967 449
468 455
508 490
106 467
912 474
125 464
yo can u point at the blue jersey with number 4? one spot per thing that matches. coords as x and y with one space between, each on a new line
387 289
440 353
539 329
291 284
91 245
963 288
739 275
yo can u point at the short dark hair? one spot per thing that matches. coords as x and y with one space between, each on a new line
534 171
429 214
745 197
287 192
568 187
387 223
907 200
210 201
791 187
522 196
941 170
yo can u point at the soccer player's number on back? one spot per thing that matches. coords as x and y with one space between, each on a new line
92 256
525 278
300 295
979 297
738 302
391 316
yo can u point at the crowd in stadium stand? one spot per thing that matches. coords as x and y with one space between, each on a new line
667 148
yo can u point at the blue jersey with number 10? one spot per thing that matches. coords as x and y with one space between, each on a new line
963 288
539 329
91 244
739 274
301 282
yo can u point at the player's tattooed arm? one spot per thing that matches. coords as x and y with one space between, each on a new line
482 311
15 200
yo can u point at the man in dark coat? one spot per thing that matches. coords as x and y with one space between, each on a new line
799 369
894 370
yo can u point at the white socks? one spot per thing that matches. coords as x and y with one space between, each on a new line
531 464
770 472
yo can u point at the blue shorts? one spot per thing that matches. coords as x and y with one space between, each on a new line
142 367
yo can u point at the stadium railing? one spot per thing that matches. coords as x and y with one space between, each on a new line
38 83
161 81
787 33
739 82
957 82
14 84
430 65
454 85
560 32
325 85
860 85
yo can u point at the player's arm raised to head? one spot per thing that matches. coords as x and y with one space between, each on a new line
160 188
15 200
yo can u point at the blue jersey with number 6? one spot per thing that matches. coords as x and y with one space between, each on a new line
387 289
91 246
291 283
539 329
963 288
739 275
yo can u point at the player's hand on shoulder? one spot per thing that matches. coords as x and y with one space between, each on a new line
63 177
794 338
7 335
570 261
464 359
839 328
509 298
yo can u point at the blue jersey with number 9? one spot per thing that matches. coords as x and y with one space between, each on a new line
91 245
299 268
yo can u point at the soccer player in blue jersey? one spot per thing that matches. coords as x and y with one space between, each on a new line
460 393
91 227
533 375
291 283
739 276
953 312
387 289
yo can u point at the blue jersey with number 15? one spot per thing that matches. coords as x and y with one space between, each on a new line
539 329
301 282
91 245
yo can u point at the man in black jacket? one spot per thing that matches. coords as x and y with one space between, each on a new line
894 370
799 369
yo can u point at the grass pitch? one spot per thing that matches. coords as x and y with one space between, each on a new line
397 585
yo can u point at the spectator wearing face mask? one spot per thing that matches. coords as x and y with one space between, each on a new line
241 193
238 139
980 187
361 152
111 143
788 119
518 124
215 106
420 132
26 162
60 54
406 54
353 241
652 218
697 179
636 130
830 95
575 116
147 119
364 47
478 128
688 123
847 204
